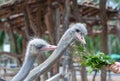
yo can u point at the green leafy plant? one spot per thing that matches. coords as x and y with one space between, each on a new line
96 61
93 60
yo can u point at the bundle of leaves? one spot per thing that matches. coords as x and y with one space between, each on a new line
97 61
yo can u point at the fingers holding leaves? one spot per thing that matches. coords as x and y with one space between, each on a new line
115 67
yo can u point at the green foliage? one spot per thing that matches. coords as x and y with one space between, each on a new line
48 53
19 43
93 60
46 37
2 36
93 44
80 48
2 1
96 61
115 44
18 40
116 1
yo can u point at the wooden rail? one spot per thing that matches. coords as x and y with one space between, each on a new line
56 77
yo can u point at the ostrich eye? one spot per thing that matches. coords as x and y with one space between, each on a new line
77 30
39 46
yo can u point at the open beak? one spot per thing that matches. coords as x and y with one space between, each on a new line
81 38
49 47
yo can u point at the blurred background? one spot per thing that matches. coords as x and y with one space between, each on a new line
22 20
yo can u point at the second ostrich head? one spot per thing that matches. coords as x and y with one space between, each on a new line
35 47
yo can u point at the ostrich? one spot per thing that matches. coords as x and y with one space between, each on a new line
75 31
35 47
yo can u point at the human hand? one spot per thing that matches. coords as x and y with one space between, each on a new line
115 67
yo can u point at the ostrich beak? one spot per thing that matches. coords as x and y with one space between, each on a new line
49 47
81 38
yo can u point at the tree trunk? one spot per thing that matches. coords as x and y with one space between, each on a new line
76 12
103 17
103 74
49 24
83 74
66 15
118 29
94 76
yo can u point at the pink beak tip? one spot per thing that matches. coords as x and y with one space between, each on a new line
49 47
52 47
82 40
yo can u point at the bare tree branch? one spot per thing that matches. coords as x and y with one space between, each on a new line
10 54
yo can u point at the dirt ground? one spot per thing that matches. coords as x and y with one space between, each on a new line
112 77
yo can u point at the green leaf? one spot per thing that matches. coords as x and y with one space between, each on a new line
97 61
2 37
80 48
90 70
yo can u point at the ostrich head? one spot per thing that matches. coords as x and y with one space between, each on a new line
79 30
38 46
76 31
35 47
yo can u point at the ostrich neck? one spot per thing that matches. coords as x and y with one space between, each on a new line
66 39
27 65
